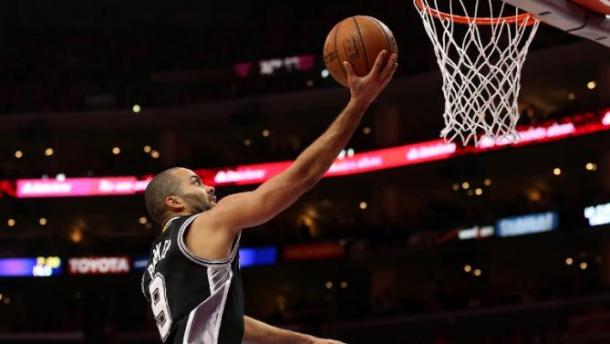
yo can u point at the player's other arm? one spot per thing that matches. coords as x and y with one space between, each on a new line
249 209
257 332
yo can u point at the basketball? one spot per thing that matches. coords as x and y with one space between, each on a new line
358 40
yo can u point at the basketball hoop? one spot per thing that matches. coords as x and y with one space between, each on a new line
480 51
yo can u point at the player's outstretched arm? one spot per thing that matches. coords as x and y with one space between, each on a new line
243 210
213 231
257 332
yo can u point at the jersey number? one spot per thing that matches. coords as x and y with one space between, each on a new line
159 304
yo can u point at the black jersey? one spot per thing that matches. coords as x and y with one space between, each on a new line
193 300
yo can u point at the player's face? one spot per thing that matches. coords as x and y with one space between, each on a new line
197 196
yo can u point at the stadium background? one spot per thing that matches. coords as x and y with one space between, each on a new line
96 97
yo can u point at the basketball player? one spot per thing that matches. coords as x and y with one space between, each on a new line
192 279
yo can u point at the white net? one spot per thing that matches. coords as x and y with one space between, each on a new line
480 61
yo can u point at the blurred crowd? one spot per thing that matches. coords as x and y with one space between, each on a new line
103 312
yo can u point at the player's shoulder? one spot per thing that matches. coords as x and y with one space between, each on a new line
169 230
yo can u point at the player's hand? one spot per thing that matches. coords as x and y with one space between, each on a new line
365 89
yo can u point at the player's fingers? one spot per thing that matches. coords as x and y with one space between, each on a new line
387 79
379 62
348 69
390 67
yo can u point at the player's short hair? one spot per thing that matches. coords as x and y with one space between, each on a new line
162 185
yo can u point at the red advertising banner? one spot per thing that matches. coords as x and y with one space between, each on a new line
411 154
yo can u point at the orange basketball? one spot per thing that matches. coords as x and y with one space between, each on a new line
358 40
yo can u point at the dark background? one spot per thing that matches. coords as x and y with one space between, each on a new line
70 73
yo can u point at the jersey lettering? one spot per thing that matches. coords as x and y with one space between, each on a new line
159 252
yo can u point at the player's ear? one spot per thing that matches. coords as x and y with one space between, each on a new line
175 203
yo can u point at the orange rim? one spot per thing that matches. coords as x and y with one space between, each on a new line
522 19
